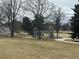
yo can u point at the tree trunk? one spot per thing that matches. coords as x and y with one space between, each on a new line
12 33
13 28
39 34
57 34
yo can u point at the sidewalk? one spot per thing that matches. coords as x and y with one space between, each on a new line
63 40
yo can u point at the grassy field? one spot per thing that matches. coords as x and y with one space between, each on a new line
20 48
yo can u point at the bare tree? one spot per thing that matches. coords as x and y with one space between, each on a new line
10 9
39 7
58 16
41 10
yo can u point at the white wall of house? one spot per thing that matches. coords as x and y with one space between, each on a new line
4 31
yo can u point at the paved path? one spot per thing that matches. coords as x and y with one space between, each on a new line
63 40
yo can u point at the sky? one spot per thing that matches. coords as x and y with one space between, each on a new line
66 6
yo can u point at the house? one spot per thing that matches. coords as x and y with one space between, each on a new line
4 31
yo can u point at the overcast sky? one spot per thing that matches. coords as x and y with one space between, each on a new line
66 5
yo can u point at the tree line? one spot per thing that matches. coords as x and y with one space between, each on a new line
42 10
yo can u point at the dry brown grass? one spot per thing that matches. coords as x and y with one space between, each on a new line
20 48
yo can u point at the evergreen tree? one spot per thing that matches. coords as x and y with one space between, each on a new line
27 25
75 22
39 22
